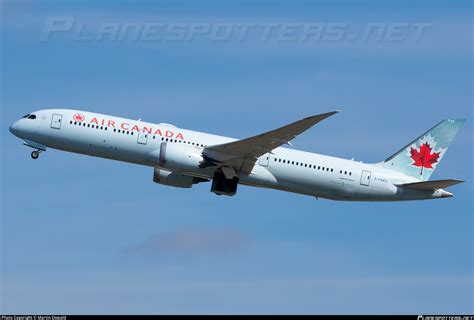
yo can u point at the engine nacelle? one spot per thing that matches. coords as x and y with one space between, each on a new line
179 157
175 179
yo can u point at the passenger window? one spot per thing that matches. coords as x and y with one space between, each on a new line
89 125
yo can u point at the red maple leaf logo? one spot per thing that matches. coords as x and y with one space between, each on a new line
424 158
79 117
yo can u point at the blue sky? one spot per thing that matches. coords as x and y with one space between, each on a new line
86 235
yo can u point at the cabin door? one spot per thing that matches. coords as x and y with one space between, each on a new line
56 121
142 137
265 159
365 178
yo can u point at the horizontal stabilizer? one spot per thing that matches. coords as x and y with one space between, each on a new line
430 185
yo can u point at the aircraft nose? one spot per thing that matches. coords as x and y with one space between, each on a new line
14 128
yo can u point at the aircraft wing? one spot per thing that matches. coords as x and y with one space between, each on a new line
242 154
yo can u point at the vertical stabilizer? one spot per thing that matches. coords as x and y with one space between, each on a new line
421 156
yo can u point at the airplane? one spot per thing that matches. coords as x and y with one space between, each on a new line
182 158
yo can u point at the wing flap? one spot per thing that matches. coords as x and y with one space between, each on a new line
430 185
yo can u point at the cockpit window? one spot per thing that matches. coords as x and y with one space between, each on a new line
32 116
26 116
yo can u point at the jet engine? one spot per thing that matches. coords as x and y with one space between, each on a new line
175 179
180 157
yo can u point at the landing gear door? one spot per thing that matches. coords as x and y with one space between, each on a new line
365 178
142 137
56 121
265 159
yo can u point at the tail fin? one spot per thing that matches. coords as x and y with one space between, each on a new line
421 156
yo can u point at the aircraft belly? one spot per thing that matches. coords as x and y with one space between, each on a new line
313 184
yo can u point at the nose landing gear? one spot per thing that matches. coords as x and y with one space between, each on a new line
35 154
37 147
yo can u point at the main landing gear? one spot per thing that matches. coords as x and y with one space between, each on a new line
35 154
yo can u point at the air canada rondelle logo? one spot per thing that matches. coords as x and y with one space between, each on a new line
79 117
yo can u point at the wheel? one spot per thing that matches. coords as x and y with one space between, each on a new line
35 155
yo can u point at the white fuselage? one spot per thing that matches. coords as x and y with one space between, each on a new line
285 169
